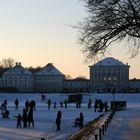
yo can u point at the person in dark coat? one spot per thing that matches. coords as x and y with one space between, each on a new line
101 106
81 120
43 139
54 105
24 117
30 117
58 120
43 97
106 106
16 103
5 114
95 105
89 103
27 105
5 104
49 103
19 120
65 103
61 104
77 122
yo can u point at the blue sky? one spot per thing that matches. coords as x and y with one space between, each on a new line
37 32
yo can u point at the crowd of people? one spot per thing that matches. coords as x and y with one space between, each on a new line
4 111
26 118
27 114
98 105
23 119
55 105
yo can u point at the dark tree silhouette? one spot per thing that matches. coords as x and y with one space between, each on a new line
34 70
7 62
110 21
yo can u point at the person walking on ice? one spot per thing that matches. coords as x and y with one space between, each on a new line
19 120
58 120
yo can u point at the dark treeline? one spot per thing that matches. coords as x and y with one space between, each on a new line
34 69
7 63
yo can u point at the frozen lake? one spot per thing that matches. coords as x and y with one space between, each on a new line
45 119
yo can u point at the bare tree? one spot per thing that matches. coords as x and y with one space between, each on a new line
110 21
34 70
7 62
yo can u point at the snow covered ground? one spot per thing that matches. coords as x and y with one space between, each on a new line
125 124
45 119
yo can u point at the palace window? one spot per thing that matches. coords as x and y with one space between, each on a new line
109 78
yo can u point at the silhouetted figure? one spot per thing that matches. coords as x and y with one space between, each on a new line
5 114
95 105
106 106
24 117
77 122
89 103
32 104
43 97
58 120
61 104
81 120
2 108
49 103
78 104
27 105
30 117
65 103
16 103
19 120
5 104
101 106
43 139
54 105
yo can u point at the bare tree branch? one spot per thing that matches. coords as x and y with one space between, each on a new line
7 62
109 21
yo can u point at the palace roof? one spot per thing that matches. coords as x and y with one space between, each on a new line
49 69
109 61
18 69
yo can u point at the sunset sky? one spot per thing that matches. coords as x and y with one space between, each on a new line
37 32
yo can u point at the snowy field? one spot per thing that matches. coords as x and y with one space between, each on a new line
45 119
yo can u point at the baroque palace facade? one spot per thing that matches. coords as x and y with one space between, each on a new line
105 75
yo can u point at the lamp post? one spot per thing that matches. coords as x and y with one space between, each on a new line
113 103
113 93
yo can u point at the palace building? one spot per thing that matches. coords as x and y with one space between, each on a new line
49 79
18 77
109 74
105 76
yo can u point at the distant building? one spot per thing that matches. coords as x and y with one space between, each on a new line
106 75
49 79
76 85
19 78
109 74
134 85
